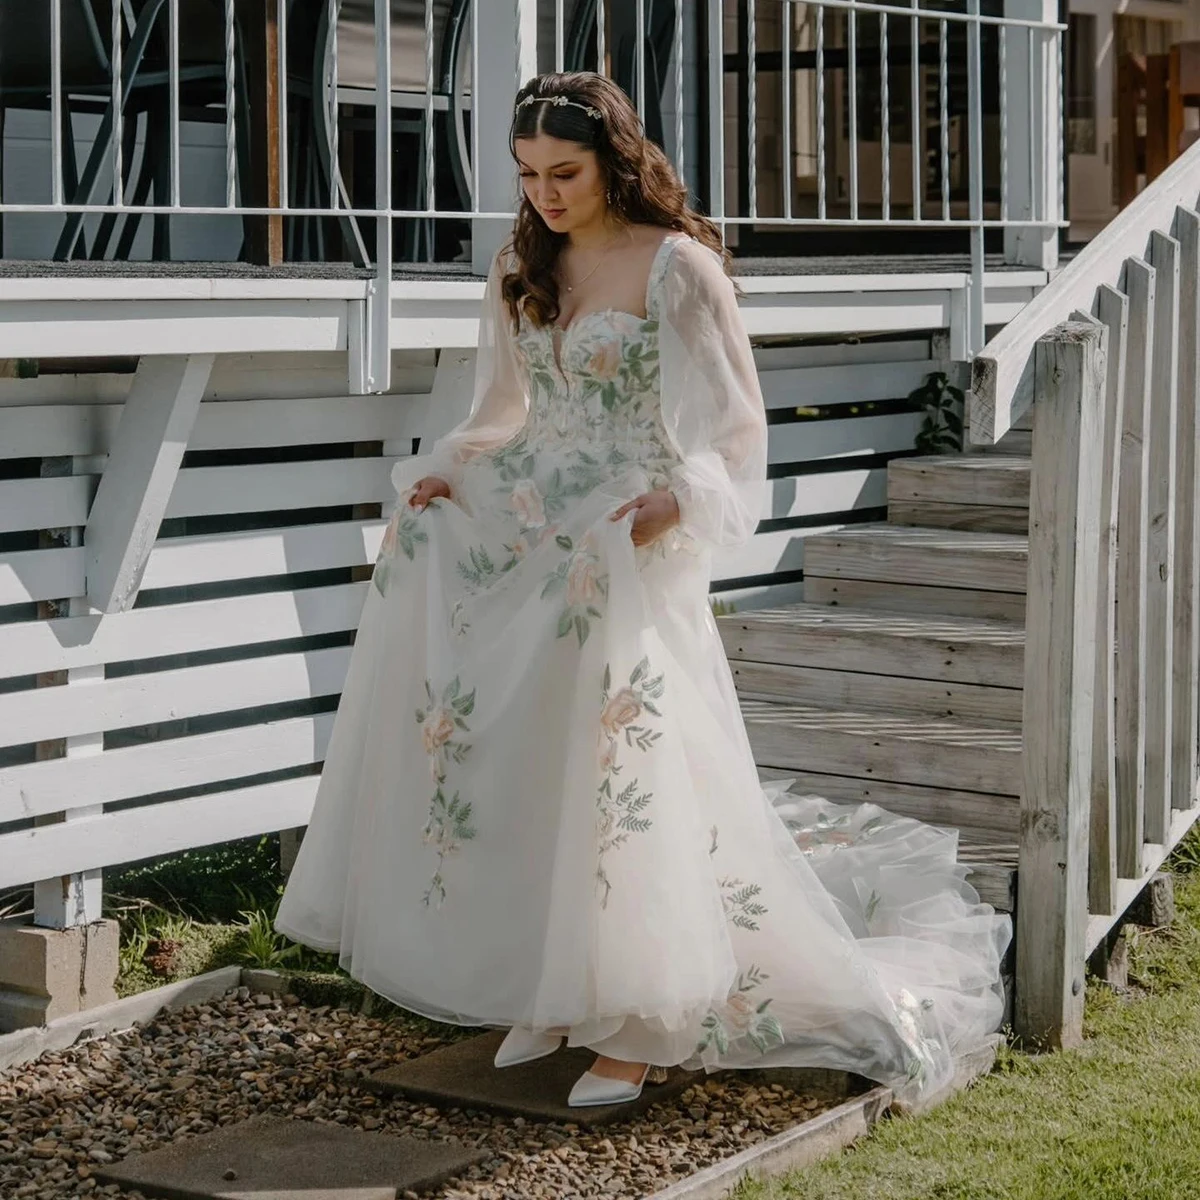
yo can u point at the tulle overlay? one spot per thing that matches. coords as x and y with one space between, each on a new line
539 805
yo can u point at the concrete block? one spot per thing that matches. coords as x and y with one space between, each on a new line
50 973
274 1158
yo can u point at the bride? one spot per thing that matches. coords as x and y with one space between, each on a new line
539 808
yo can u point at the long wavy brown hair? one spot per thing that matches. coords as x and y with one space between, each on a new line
644 187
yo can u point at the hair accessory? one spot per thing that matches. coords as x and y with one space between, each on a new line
560 100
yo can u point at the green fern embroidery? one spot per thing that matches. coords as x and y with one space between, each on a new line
623 812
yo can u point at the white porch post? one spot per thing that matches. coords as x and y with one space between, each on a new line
501 24
68 900
1031 95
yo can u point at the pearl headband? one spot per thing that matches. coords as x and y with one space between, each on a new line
560 100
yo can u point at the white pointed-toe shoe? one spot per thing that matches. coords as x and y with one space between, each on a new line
591 1089
523 1045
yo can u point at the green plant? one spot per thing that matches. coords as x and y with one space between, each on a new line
941 429
210 883
259 945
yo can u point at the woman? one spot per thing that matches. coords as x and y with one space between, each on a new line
539 807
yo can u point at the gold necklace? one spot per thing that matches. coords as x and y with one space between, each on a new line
572 286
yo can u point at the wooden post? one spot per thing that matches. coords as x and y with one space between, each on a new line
1186 655
1112 311
65 901
1032 107
501 73
1132 503
1160 537
258 22
1060 669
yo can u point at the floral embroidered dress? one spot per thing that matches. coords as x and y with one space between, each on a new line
539 804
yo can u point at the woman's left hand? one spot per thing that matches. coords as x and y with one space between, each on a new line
656 512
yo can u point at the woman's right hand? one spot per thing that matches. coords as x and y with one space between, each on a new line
426 489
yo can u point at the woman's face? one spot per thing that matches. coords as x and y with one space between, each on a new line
562 180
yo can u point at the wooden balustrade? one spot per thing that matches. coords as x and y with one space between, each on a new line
1111 720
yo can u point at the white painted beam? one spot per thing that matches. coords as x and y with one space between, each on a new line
137 482
1031 102
507 58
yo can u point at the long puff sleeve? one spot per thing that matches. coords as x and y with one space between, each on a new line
499 403
712 403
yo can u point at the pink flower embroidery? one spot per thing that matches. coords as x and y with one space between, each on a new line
622 709
583 584
605 363
527 502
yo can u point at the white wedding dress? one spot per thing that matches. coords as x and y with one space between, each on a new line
539 804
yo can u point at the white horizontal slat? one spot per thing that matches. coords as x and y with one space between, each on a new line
45 503
803 441
96 328
835 491
781 550
842 312
269 486
889 350
204 558
62 784
844 384
153 830
234 377
28 575
101 387
65 429
55 712
204 491
155 631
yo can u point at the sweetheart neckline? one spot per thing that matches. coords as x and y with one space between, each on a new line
671 235
598 312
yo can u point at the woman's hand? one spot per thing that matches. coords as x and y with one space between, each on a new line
656 512
426 489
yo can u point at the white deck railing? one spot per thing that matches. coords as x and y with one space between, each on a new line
253 80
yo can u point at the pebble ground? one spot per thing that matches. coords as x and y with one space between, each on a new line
208 1065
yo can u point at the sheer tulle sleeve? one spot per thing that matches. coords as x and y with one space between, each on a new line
498 406
712 404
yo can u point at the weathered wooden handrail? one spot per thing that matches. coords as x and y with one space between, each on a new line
1112 667
1002 378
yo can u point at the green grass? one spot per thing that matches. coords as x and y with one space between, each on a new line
1116 1119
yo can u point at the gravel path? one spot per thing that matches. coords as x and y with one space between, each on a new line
214 1064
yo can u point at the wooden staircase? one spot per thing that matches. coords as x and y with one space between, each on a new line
899 680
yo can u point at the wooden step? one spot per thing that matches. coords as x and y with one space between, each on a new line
985 492
880 643
898 748
847 658
887 693
913 569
